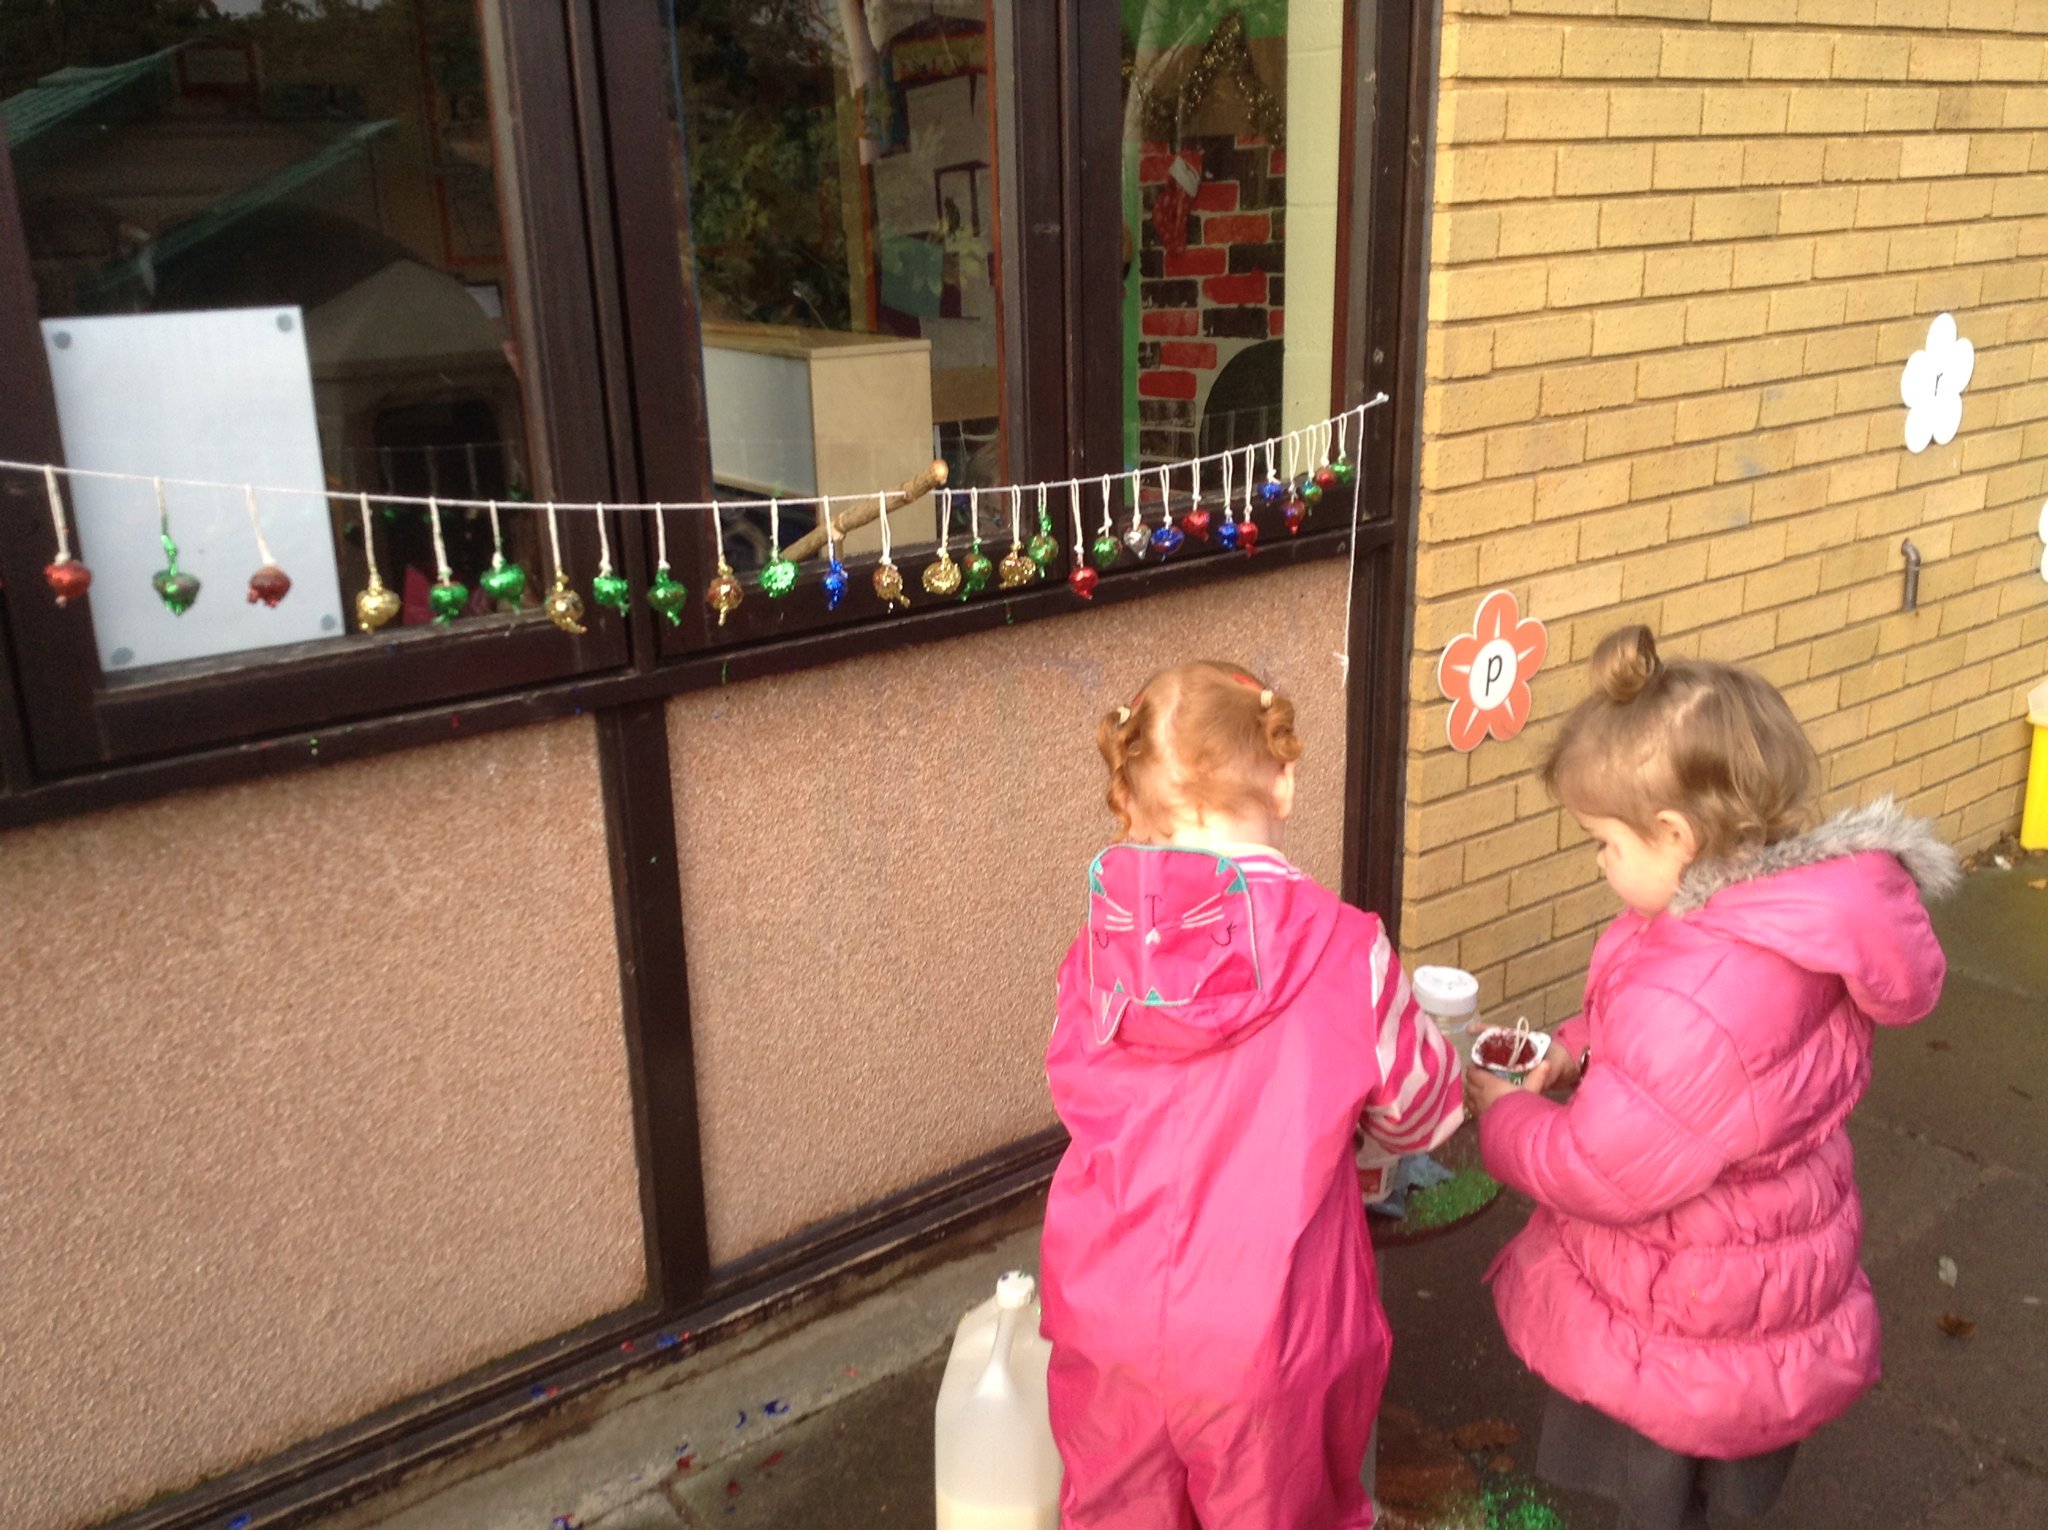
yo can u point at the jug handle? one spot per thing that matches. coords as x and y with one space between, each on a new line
995 1376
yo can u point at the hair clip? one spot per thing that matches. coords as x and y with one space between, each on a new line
1265 700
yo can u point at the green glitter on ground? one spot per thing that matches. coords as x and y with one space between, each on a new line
1515 1505
1465 1194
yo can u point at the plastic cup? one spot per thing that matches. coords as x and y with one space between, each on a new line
1510 1054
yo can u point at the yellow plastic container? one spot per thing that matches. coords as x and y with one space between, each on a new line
2034 821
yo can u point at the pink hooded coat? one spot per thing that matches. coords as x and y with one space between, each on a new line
1218 1342
1691 1269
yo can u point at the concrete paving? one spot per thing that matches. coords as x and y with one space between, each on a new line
1953 1162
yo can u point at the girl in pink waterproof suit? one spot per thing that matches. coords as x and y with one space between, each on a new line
1689 1284
1224 1027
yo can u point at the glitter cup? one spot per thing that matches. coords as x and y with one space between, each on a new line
1510 1054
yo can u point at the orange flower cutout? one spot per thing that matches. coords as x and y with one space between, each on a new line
1486 672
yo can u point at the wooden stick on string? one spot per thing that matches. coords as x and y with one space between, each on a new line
909 492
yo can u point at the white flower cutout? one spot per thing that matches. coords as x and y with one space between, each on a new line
1932 385
2043 529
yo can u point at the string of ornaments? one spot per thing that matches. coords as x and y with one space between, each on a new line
1317 460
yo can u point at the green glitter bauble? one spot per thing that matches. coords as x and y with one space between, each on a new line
611 590
176 589
1311 492
667 597
505 584
447 600
1344 470
778 577
1105 550
975 572
1043 548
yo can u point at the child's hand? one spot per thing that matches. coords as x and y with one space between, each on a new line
1558 1070
1483 1089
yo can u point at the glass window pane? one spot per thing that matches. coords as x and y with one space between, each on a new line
1232 120
332 169
843 221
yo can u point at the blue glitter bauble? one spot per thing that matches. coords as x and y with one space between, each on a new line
1273 493
1166 541
1227 534
835 585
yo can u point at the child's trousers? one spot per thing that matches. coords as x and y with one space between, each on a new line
1137 1460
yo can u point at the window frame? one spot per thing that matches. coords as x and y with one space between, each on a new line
78 719
590 123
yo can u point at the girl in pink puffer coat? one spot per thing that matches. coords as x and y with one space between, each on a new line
1689 1284
1225 1026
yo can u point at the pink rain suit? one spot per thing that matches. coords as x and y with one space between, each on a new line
1218 1343
1692 1269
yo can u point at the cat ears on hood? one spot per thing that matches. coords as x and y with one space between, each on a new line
1881 825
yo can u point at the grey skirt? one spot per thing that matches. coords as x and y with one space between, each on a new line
1658 1489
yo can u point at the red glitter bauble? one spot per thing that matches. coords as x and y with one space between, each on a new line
1292 515
1196 524
1248 537
269 584
67 580
1327 479
1082 581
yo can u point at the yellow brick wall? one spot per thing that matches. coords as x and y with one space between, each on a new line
1681 250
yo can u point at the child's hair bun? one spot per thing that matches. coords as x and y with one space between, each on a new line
1625 663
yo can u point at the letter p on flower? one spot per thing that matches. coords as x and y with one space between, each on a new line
1486 672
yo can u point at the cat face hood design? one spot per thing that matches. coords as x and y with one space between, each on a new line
1188 950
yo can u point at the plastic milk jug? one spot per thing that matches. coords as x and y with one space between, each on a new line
997 1466
1450 997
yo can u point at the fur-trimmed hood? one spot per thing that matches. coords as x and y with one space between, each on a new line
1846 900
1879 826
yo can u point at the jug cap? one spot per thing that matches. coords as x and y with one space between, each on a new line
1015 1290
1446 992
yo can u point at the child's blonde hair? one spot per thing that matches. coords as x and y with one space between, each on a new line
1201 738
1715 744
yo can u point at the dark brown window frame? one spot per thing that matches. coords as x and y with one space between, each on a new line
592 117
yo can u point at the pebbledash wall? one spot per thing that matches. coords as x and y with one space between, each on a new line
1681 251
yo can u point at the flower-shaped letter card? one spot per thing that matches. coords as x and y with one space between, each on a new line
1932 385
1486 672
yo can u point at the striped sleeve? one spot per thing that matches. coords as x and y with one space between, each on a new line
1419 1100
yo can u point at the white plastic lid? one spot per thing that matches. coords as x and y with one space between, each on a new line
2037 705
1445 992
1015 1290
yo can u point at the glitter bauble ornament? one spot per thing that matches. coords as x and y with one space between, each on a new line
1343 470
376 606
724 593
778 577
1311 492
1292 515
506 584
447 599
1105 550
1227 533
1138 540
942 577
269 584
1044 549
176 589
67 580
1196 524
667 595
888 583
1248 537
1166 540
1016 570
611 591
975 572
1082 581
564 606
1326 478
835 584
1272 494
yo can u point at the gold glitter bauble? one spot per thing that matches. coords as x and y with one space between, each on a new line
376 605
725 593
564 606
942 577
1016 569
889 585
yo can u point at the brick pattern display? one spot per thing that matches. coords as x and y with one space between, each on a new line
1224 292
1681 252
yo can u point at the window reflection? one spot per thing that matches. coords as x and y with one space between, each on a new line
843 219
332 162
